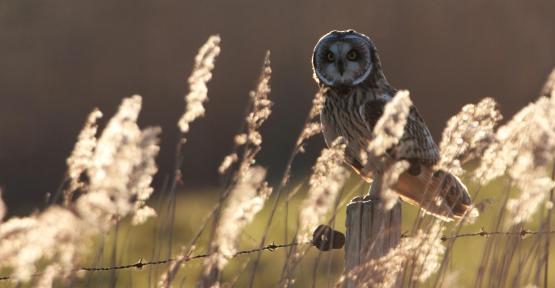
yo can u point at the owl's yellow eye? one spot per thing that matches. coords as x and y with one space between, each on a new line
330 56
352 55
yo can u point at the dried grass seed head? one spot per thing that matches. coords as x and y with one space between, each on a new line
56 235
260 110
390 178
261 104
327 179
524 149
123 167
312 127
468 134
245 200
80 158
198 91
391 126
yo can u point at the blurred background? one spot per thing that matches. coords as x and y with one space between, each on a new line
60 59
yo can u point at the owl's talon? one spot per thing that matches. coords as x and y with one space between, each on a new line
363 199
370 198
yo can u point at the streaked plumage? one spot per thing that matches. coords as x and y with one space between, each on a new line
347 64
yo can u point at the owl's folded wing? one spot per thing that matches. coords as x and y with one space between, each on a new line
438 192
415 144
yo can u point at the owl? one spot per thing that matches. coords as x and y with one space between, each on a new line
347 66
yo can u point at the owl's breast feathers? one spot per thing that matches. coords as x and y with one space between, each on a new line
341 117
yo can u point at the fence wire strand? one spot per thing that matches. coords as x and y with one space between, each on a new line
140 264
272 247
484 233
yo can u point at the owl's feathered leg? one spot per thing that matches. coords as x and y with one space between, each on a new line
373 174
437 192
375 188
376 185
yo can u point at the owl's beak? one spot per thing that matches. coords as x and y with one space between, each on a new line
340 67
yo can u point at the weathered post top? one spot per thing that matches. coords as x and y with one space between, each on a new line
371 231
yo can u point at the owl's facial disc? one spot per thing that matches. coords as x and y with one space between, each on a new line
342 62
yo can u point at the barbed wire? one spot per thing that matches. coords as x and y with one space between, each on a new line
484 233
323 239
140 264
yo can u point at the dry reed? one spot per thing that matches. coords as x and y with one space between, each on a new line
467 135
198 91
80 159
120 172
391 126
524 148
327 179
248 191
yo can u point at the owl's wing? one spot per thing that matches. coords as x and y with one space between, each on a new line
417 142
422 185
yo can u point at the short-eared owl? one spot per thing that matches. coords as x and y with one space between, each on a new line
347 64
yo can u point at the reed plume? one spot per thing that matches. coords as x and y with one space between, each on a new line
246 199
198 91
249 191
260 109
327 179
524 148
80 159
28 240
312 125
48 276
390 177
3 208
387 133
467 135
120 171
391 126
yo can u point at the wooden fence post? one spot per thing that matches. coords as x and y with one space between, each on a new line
371 231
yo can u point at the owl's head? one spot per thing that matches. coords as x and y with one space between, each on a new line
343 58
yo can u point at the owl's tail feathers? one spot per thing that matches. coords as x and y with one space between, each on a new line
438 193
